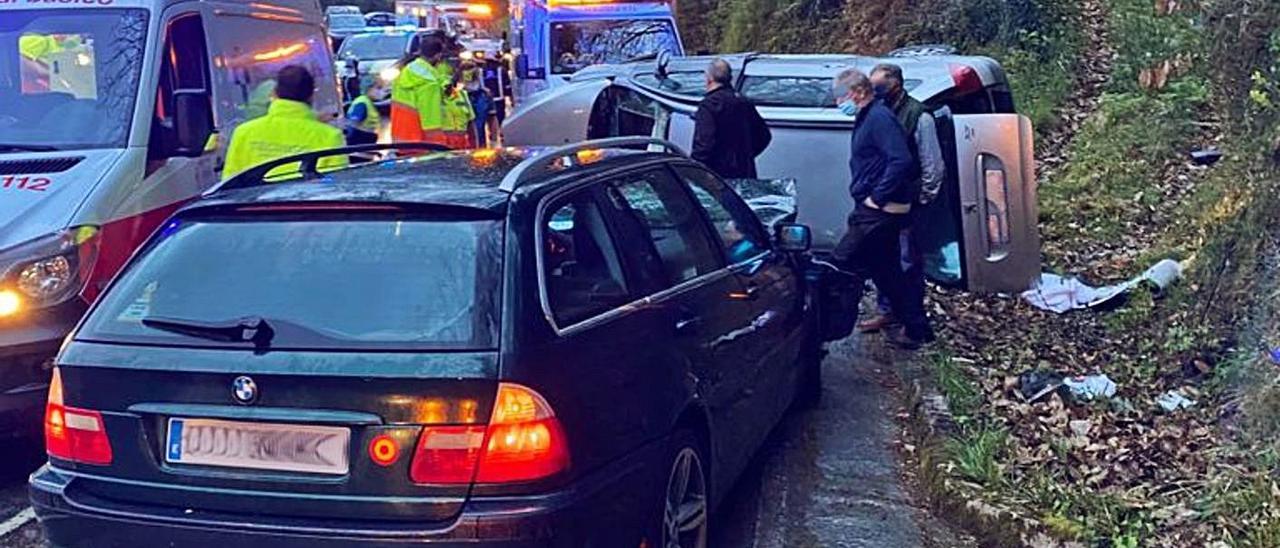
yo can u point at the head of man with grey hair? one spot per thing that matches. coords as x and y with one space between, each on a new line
852 91
719 75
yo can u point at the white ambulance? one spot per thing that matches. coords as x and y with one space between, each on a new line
113 113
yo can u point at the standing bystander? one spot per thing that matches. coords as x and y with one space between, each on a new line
884 185
887 82
729 133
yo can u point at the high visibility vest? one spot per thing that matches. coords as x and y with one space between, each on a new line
417 103
372 119
288 128
38 47
458 112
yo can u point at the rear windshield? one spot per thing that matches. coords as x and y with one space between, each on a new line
343 283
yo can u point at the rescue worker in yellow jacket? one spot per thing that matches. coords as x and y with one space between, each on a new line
289 127
458 115
418 97
363 119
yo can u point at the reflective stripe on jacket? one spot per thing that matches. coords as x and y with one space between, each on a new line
289 127
417 104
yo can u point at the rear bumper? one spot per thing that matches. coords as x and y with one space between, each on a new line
600 510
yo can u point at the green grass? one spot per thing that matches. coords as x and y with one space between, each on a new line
1248 510
1116 175
978 453
954 383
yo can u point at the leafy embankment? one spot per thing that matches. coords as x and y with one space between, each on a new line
1120 92
1122 472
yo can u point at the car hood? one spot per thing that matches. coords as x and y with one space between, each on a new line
46 190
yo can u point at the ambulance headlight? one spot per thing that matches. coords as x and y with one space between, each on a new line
389 74
467 55
50 270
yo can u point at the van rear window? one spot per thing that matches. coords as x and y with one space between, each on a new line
342 283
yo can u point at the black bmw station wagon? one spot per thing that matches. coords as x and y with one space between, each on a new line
571 347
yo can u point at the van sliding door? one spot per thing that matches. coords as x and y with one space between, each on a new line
997 184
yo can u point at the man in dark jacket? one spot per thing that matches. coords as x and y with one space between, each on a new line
887 82
729 134
884 186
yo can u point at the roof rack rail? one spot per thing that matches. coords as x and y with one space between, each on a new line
539 164
923 50
308 161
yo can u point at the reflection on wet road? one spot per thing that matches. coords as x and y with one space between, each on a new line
17 460
830 476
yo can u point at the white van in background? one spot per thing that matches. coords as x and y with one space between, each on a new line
112 115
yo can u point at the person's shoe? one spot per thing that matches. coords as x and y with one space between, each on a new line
877 323
900 339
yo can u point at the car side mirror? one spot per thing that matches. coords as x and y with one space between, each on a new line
192 122
793 237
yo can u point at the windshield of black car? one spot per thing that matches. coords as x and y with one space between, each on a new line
356 281
346 21
579 44
375 46
69 78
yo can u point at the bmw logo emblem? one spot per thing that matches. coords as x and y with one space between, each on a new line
245 390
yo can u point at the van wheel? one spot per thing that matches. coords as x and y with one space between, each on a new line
685 502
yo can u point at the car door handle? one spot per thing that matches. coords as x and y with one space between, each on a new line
750 293
685 325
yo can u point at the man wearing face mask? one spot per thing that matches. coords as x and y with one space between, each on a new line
884 186
886 80
728 132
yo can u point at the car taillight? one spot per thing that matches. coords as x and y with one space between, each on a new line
966 79
72 434
523 442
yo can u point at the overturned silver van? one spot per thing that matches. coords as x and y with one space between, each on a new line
983 235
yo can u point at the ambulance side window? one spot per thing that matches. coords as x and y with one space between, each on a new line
184 67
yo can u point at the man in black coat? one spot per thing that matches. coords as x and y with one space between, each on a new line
729 134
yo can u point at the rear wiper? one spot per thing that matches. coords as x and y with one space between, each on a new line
17 147
248 329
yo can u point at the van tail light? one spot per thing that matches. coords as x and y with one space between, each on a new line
71 434
966 79
522 442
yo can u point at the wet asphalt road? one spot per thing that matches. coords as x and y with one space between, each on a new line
829 477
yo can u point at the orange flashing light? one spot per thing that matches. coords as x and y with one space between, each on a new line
577 2
590 156
480 10
275 17
280 53
275 8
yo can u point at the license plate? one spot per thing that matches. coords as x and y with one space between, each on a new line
260 446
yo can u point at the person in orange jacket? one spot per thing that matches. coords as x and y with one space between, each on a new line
418 97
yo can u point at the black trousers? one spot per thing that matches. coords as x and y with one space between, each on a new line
871 249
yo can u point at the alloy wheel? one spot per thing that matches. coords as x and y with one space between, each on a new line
684 516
